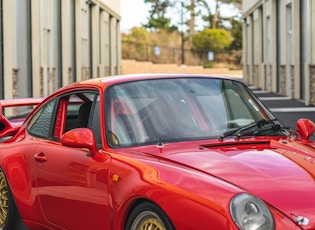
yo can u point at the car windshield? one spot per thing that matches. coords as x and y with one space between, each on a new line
169 110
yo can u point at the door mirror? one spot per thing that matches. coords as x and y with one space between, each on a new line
305 128
80 138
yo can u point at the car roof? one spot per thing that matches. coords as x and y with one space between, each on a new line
135 77
105 82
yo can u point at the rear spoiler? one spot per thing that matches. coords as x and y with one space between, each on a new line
20 102
9 127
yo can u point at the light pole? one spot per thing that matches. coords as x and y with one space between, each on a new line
182 31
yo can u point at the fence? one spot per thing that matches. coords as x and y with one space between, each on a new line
168 55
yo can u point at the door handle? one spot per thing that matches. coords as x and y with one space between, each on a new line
40 157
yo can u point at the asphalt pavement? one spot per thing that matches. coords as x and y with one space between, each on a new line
287 110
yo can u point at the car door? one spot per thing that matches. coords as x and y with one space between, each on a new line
72 186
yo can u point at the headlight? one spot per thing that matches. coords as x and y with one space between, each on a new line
251 213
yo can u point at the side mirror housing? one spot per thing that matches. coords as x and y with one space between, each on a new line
80 138
305 128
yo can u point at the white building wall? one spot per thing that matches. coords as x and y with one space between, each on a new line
103 43
68 41
270 48
310 80
295 93
113 5
10 46
280 56
312 31
71 41
48 49
249 5
95 36
82 40
248 51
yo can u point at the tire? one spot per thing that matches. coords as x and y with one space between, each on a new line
8 210
148 216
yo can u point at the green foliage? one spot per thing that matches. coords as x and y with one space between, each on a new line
237 35
211 40
135 42
138 35
202 9
157 19
160 23
236 3
209 64
158 7
172 23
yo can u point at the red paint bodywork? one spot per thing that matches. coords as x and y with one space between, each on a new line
61 187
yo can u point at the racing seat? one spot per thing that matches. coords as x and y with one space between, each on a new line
84 114
120 122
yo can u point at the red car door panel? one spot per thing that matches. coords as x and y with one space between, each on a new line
72 184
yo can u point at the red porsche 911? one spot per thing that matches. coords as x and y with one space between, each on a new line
163 152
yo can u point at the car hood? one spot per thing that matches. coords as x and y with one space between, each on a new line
282 173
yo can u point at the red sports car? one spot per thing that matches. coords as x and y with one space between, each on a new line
154 152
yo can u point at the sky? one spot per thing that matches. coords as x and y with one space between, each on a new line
133 13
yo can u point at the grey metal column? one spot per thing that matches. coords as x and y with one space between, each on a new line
24 58
304 45
57 43
278 21
289 49
90 4
73 34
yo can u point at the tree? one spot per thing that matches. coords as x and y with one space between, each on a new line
237 34
135 42
205 13
158 19
191 22
193 9
213 17
138 35
211 40
236 3
158 7
190 11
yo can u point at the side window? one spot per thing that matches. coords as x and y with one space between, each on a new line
83 111
42 120
95 123
79 110
238 110
72 112
76 110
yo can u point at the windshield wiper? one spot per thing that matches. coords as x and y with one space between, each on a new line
259 124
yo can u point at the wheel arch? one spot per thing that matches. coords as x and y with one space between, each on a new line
13 217
9 189
136 203
123 213
17 175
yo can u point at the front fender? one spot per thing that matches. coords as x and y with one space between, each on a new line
191 199
185 204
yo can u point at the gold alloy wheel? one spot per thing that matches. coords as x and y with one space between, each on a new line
152 224
4 197
148 220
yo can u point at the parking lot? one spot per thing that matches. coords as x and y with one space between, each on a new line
287 110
